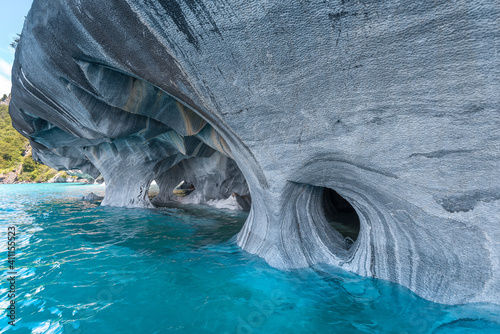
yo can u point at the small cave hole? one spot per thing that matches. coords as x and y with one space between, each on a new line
341 215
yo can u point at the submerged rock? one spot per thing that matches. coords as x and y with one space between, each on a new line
91 197
393 104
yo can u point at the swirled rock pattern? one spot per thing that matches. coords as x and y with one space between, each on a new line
394 104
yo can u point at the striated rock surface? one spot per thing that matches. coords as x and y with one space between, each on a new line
393 104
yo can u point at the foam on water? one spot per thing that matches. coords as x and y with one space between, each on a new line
89 269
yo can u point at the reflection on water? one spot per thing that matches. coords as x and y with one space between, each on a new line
89 269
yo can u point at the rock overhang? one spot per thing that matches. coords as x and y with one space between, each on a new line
391 104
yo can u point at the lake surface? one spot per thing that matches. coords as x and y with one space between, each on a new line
82 268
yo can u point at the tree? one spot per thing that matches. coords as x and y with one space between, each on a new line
4 97
16 41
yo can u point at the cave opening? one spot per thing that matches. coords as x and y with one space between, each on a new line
341 215
216 178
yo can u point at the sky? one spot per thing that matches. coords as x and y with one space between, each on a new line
11 23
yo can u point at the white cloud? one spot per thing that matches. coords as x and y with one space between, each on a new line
5 85
5 68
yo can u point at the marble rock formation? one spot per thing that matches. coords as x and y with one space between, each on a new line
91 197
393 104
215 178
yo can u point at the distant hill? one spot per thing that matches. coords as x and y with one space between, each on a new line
16 163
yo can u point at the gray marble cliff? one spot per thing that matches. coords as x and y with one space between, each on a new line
393 104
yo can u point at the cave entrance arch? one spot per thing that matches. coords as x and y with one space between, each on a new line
341 215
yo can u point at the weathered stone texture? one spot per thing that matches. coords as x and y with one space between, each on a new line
394 104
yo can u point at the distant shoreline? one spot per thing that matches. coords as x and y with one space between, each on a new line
76 182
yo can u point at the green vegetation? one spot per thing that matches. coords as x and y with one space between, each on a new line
12 144
35 172
16 41
13 147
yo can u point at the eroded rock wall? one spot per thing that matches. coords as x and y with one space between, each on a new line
394 104
215 178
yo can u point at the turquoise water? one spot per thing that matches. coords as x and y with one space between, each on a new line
89 269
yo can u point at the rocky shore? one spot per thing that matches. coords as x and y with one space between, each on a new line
60 177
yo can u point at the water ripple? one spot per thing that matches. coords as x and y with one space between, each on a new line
89 269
